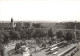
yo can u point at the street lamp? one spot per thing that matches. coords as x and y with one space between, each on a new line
75 29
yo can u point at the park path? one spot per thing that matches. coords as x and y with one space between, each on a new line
42 53
9 47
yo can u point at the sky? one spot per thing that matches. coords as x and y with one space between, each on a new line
40 10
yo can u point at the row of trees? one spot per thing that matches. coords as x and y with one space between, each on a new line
37 33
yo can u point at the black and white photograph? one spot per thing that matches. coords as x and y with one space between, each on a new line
39 28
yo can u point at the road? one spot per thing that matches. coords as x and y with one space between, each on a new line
78 52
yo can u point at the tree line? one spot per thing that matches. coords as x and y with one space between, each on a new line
38 33
19 33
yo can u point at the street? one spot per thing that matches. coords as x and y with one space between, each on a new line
78 53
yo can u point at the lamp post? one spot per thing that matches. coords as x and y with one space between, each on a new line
75 29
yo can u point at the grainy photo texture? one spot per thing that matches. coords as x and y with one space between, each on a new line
39 28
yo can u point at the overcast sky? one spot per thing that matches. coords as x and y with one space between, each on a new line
40 10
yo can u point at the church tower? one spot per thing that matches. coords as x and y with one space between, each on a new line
12 23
